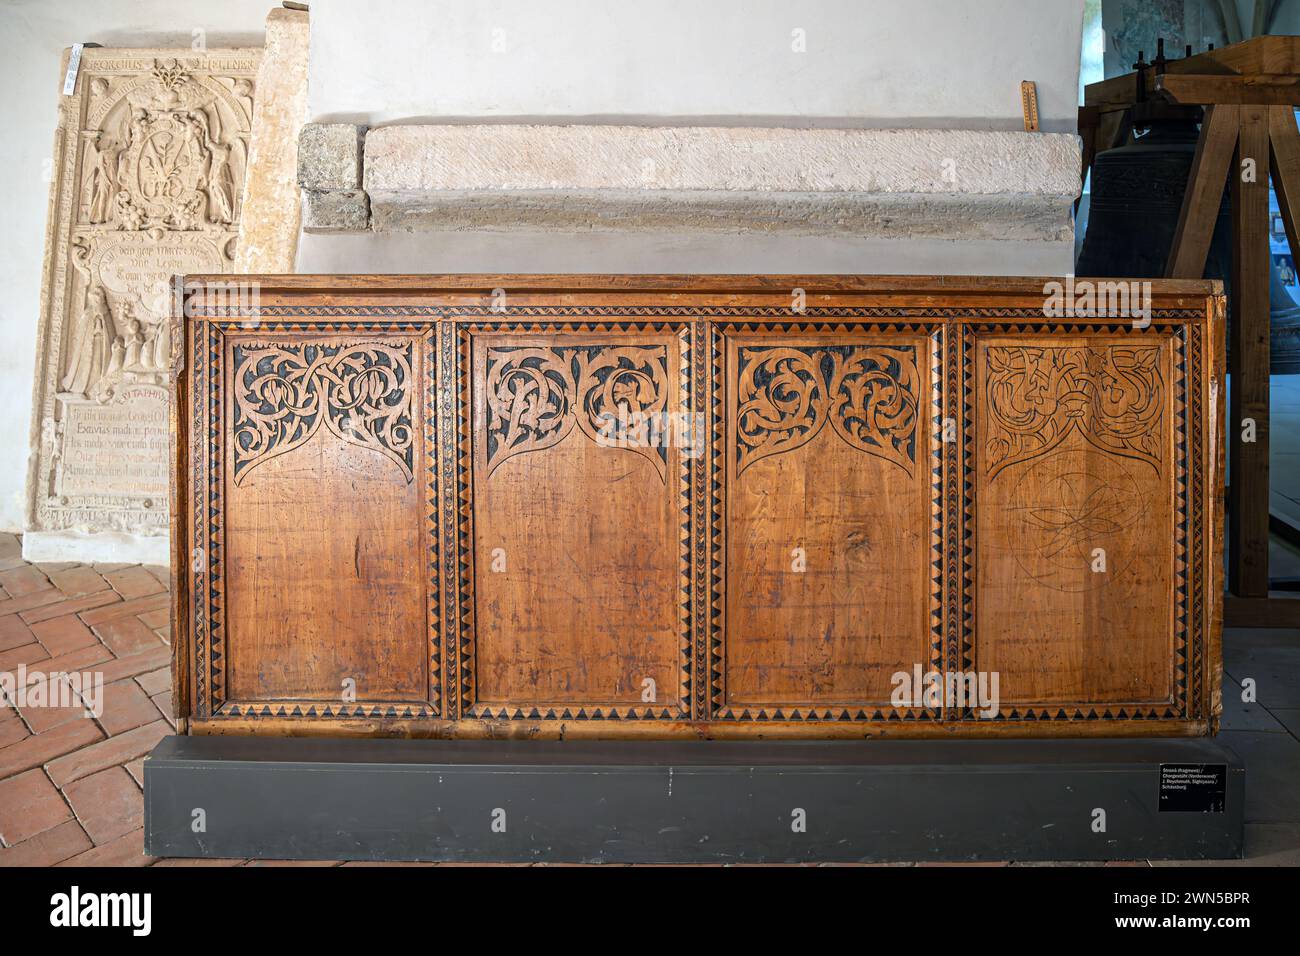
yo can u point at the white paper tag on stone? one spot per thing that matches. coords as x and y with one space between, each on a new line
74 64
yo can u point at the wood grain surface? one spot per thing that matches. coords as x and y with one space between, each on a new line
711 506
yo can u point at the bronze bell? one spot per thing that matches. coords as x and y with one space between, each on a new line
1137 193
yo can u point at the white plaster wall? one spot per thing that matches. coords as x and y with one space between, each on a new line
866 63
612 252
33 35
930 63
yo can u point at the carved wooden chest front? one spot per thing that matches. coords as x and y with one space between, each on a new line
720 506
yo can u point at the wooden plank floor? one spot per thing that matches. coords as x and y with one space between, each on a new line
70 786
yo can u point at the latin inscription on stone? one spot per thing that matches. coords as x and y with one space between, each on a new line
117 448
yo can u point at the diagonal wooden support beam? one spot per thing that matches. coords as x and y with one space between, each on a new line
1249 321
1204 193
1284 146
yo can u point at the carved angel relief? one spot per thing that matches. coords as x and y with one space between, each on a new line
786 395
613 393
361 391
1113 396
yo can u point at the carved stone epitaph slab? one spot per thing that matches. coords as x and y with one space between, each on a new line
147 183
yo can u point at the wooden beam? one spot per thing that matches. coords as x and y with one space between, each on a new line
1115 130
1089 123
1204 193
1263 89
1266 54
1284 147
1249 320
1261 612
1112 129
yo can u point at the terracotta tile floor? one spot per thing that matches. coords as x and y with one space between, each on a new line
70 787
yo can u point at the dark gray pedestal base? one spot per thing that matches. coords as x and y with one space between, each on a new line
664 802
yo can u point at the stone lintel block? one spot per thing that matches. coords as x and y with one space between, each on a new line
329 156
335 210
957 184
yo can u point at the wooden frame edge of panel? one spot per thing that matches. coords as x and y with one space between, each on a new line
1216 309
709 730
178 419
485 284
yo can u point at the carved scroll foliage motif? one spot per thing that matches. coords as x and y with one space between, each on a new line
867 393
361 391
1113 396
614 394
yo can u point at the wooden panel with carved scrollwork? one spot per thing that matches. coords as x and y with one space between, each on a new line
578 484
828 492
637 507
1080 541
324 468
